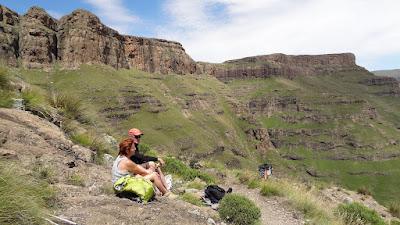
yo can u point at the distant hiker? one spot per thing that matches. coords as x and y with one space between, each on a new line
265 170
125 172
148 162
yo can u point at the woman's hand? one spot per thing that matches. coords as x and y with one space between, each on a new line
161 161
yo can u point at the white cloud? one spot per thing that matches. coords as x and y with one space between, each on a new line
55 14
368 28
115 14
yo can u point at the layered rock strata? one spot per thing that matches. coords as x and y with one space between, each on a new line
37 40
9 22
281 65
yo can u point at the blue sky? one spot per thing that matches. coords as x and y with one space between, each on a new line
219 30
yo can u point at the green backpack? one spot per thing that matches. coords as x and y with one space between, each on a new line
138 185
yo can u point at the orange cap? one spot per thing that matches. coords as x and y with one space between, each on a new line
134 132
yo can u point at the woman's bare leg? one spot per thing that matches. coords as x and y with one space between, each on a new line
162 177
157 181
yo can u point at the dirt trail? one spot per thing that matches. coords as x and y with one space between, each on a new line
274 210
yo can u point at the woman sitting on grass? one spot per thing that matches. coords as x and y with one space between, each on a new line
124 166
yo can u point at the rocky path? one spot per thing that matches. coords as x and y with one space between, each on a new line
274 211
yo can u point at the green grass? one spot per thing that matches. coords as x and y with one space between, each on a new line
76 180
355 213
192 199
177 167
394 208
23 199
173 128
268 189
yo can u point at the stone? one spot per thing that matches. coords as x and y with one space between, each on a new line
210 221
108 159
8 154
348 200
83 153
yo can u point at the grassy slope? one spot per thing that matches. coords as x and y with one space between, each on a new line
175 129
380 176
191 132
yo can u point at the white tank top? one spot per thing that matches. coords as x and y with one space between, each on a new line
116 173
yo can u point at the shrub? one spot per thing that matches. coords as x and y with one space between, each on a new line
23 199
363 190
394 209
147 150
355 212
177 167
238 210
270 190
192 199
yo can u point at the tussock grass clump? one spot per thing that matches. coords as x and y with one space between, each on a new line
270 189
254 183
363 190
5 94
394 209
239 210
192 199
23 199
395 222
177 167
90 141
76 179
355 213
68 105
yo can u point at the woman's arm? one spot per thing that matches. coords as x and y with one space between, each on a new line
134 168
137 169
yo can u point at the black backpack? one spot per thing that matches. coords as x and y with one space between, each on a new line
215 193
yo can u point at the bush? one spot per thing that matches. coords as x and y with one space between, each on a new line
357 213
23 199
394 209
177 167
270 190
238 210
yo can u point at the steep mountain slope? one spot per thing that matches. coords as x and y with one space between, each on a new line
317 117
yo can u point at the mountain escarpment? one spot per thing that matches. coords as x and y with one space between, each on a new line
36 40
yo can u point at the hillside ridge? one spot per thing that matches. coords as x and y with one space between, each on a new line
37 40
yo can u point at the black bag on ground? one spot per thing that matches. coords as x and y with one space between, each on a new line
215 193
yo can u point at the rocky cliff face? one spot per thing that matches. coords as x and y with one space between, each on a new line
9 22
280 65
82 38
38 40
157 56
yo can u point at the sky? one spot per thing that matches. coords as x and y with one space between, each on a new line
219 30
